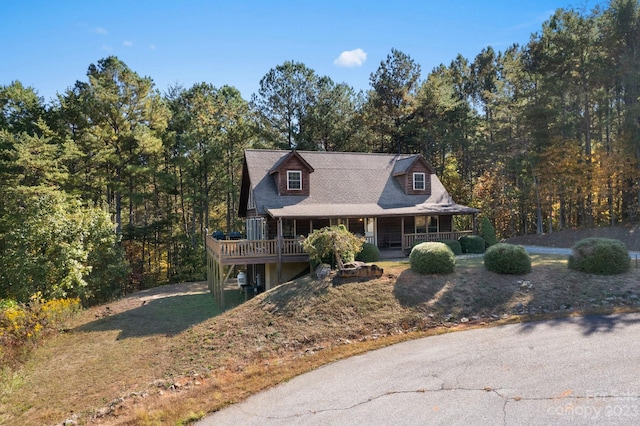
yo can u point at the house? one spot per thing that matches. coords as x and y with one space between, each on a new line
394 201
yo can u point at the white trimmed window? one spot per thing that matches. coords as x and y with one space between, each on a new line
294 180
418 181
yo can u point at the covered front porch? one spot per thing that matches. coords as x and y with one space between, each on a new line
277 240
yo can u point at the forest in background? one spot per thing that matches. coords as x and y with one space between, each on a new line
112 186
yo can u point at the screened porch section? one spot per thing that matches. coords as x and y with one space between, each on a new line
401 232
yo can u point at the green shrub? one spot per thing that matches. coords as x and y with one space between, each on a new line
53 244
600 256
472 244
454 245
487 232
369 253
432 258
507 259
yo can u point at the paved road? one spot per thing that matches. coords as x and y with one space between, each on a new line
578 370
634 255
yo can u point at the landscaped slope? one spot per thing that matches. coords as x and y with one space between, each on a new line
161 357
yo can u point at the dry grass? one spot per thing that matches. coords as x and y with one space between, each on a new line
167 357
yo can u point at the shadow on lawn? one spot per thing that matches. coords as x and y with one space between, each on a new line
165 316
591 324
551 295
458 294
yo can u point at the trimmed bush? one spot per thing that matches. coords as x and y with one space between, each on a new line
600 256
506 258
369 253
472 244
432 258
487 232
454 245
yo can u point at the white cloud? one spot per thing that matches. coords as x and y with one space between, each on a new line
152 46
351 58
127 43
99 30
107 48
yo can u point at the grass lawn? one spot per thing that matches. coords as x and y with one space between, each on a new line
167 356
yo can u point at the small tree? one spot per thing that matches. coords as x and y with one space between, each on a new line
334 241
488 232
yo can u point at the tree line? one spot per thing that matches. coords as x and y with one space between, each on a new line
120 182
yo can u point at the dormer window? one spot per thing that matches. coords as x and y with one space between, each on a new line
418 181
294 180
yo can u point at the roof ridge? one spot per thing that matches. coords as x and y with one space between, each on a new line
386 154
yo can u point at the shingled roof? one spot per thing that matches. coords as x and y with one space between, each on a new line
342 185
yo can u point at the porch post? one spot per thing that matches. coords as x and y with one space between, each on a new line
279 250
402 233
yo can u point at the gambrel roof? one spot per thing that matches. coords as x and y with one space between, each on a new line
343 184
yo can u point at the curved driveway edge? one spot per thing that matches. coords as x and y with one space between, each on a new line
583 370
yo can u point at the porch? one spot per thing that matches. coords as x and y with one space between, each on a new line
409 240
288 250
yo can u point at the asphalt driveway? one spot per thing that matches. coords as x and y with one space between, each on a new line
583 370
634 255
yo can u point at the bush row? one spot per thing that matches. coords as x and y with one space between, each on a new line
600 256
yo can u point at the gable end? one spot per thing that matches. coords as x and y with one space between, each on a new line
292 175
416 178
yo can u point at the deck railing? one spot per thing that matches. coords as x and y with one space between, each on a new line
253 248
411 239
242 249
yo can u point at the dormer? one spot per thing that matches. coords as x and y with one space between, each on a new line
414 175
291 175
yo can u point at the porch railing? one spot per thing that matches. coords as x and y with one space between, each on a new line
411 239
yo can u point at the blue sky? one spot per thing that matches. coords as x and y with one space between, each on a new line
49 44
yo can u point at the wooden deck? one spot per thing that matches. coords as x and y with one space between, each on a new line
224 255
247 252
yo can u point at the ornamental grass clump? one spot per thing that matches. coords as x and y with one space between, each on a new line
504 258
600 256
432 258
